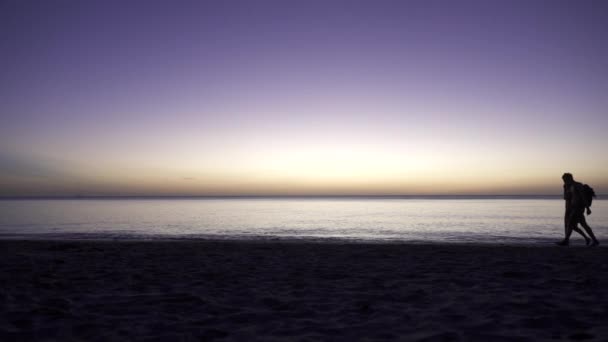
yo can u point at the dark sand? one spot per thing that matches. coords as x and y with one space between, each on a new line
197 290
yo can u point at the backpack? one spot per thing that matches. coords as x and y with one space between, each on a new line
588 193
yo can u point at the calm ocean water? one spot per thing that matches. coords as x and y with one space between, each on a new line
369 219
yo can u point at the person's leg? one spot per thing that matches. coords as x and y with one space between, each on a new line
580 231
564 242
583 222
566 221
576 228
570 225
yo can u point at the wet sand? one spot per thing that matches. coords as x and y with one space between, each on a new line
239 290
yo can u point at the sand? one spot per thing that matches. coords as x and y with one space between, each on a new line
205 290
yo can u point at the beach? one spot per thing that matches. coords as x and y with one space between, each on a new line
297 290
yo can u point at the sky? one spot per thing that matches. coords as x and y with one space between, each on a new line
302 97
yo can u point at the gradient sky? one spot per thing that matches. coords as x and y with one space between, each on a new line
302 97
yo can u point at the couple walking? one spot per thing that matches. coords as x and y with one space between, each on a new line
578 199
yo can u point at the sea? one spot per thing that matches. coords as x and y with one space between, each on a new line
442 219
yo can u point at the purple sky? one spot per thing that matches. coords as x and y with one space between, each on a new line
302 97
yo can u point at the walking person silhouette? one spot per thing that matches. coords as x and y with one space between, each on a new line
577 202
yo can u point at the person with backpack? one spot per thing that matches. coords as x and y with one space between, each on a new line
578 199
567 196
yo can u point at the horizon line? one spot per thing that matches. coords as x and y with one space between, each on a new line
378 196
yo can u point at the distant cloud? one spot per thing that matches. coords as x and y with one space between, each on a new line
188 178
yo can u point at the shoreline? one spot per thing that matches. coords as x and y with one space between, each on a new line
288 241
271 290
575 242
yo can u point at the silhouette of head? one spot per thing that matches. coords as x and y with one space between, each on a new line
567 178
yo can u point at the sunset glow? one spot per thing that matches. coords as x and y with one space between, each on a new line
302 98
